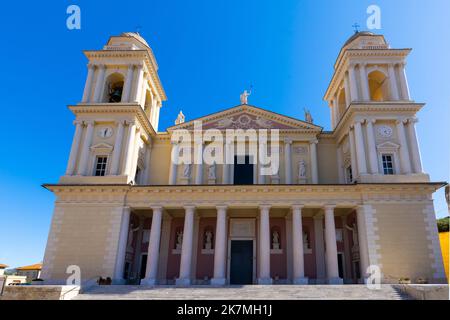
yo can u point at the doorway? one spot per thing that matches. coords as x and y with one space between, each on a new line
340 257
243 170
241 264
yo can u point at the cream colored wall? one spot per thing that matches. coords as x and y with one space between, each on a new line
160 162
327 161
404 242
82 235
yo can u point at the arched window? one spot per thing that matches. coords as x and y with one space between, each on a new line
114 88
378 86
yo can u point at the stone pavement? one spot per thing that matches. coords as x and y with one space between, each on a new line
251 292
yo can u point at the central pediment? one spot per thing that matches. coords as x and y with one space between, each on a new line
248 117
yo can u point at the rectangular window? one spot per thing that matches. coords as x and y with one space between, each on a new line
100 166
388 164
349 174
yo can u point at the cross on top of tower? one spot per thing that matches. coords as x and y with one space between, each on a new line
356 26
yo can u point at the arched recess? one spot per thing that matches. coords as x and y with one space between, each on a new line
341 104
113 88
378 86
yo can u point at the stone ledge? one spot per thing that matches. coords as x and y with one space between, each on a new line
425 291
40 292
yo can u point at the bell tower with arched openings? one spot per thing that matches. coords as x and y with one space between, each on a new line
372 113
118 115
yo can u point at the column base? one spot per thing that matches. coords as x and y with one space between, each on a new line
265 281
320 281
302 280
335 281
183 282
218 281
148 282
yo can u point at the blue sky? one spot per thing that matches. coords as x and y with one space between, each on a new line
208 52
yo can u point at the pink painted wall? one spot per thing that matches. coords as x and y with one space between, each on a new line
310 259
173 260
278 265
205 262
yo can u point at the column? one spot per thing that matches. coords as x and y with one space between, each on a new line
88 85
174 163
153 247
362 242
414 145
148 156
287 161
403 82
320 249
130 149
199 160
264 246
122 246
330 241
340 165
115 158
139 82
100 83
314 171
351 138
347 91
74 149
226 165
404 155
297 246
347 250
128 83
186 248
336 110
373 159
364 82
220 247
82 170
393 83
360 148
353 87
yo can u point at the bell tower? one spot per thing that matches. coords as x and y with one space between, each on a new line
118 114
372 113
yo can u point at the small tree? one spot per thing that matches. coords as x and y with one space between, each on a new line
442 224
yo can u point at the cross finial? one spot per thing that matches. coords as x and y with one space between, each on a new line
356 26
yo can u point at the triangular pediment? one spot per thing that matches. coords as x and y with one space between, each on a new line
248 117
388 145
102 146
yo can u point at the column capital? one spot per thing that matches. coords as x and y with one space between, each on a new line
100 66
222 207
89 122
413 120
313 141
264 207
288 140
77 122
130 122
329 207
189 207
297 206
157 208
369 120
362 64
360 121
318 216
401 121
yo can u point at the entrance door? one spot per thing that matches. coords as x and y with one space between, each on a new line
143 266
341 265
241 264
243 172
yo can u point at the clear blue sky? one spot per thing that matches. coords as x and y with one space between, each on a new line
208 52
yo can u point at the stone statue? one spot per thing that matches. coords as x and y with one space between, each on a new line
305 241
308 117
180 118
301 169
275 240
208 240
354 230
130 240
244 96
212 171
179 242
187 170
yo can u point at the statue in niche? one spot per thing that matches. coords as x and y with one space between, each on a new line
305 241
179 242
212 171
208 240
187 170
275 240
301 169
130 240
354 230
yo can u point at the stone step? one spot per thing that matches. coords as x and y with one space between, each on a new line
251 292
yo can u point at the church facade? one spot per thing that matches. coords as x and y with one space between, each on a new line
143 206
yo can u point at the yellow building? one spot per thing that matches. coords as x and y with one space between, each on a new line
444 241
245 195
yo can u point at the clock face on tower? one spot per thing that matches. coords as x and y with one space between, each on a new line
105 132
385 131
